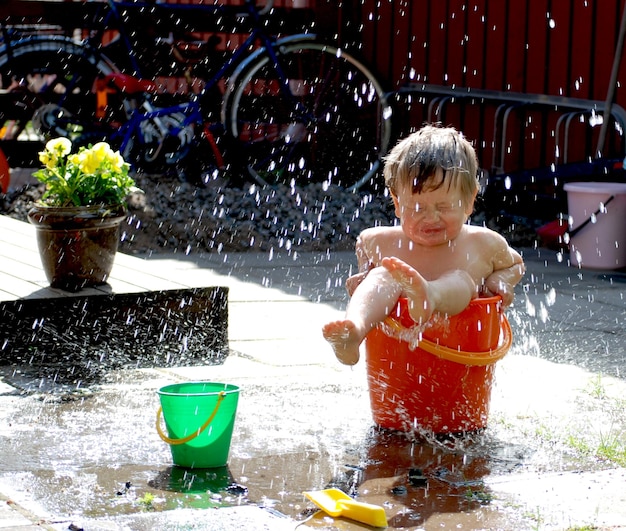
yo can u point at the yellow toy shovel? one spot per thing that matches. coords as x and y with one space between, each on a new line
337 503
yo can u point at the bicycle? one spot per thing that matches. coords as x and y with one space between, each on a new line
293 109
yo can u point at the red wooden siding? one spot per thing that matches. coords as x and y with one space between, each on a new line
554 47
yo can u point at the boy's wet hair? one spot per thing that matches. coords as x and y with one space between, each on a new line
418 159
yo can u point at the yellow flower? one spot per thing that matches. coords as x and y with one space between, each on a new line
103 151
94 175
47 159
60 146
117 161
75 159
55 150
88 161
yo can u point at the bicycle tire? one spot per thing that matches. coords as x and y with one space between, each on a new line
56 77
340 137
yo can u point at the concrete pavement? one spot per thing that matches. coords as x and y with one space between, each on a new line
553 456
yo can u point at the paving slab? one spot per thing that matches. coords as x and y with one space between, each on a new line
550 458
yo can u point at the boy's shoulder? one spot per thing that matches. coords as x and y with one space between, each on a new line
381 239
481 230
380 231
485 235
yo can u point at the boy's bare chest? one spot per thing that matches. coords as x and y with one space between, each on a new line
432 262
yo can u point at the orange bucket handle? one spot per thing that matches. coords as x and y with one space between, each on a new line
460 356
191 437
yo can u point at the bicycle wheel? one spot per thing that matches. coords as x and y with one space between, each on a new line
55 78
317 115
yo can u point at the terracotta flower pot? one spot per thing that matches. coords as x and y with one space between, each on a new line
77 245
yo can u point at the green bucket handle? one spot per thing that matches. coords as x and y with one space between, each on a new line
168 440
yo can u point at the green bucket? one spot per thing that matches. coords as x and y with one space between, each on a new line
199 417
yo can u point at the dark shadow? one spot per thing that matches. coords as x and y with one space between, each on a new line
78 339
201 488
423 475
190 481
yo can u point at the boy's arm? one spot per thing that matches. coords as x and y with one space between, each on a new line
508 271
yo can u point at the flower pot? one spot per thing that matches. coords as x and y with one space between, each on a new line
77 245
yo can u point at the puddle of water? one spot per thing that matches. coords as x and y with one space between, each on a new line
98 456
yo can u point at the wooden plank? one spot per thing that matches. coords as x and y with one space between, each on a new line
620 90
475 48
418 30
438 43
30 271
603 46
13 287
22 249
495 46
515 46
141 317
581 52
400 54
559 49
456 49
15 226
134 279
516 57
537 65
367 11
23 276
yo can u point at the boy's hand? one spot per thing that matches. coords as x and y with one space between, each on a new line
503 283
504 292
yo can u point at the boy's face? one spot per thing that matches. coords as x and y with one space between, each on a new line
433 217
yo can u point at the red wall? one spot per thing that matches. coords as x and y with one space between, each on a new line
554 47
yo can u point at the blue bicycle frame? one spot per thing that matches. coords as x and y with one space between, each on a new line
192 109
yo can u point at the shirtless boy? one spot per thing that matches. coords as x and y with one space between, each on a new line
433 257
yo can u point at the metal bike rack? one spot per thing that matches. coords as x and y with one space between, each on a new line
441 95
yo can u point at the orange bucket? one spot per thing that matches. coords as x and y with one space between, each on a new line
439 382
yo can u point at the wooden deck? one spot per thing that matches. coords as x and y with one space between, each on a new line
22 277
140 317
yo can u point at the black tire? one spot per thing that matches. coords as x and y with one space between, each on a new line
334 126
55 77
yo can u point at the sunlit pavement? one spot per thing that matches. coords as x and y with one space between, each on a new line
552 458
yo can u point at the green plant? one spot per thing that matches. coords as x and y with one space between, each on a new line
596 388
94 175
612 448
478 495
147 501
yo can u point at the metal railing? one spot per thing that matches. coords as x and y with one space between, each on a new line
508 102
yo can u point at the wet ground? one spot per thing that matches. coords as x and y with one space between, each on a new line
553 456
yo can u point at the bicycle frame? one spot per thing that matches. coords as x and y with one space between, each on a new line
191 109
258 33
290 105
235 63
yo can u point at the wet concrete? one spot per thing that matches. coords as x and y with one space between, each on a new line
552 457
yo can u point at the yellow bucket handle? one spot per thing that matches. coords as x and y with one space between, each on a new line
222 395
459 356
